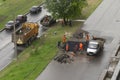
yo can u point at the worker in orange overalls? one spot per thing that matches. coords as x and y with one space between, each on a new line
67 47
81 46
64 39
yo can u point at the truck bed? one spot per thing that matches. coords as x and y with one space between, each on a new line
99 39
26 33
23 31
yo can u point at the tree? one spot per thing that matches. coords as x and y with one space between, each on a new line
65 9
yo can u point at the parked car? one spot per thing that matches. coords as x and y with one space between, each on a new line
35 9
10 25
21 18
47 20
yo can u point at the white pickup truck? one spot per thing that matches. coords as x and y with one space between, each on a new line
95 46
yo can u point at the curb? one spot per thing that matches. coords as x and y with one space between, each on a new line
116 72
26 13
115 53
79 20
103 75
41 4
2 29
113 69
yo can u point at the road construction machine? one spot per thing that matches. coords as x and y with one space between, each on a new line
47 21
25 34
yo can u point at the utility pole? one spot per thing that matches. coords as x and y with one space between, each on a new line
15 45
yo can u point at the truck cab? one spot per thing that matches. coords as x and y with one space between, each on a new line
94 47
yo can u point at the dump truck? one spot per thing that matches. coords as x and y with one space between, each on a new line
95 46
25 34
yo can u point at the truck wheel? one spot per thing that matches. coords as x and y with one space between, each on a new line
35 37
36 34
101 49
29 42
26 45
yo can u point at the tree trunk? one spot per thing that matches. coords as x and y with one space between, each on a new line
65 22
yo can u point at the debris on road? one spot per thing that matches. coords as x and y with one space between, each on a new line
64 58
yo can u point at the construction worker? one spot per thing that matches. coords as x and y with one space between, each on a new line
81 46
64 39
62 23
75 48
67 47
87 37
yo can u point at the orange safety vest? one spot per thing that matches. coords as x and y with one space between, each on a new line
67 47
81 46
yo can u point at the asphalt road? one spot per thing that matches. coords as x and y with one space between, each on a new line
38 17
104 22
7 47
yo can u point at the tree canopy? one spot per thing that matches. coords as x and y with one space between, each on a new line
65 9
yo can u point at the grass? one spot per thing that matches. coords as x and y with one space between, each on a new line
92 5
9 9
32 61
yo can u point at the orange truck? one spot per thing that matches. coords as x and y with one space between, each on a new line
25 34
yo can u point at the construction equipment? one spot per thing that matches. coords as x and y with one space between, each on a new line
72 44
25 34
95 46
47 20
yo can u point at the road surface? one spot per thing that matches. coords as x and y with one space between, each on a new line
7 47
104 22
